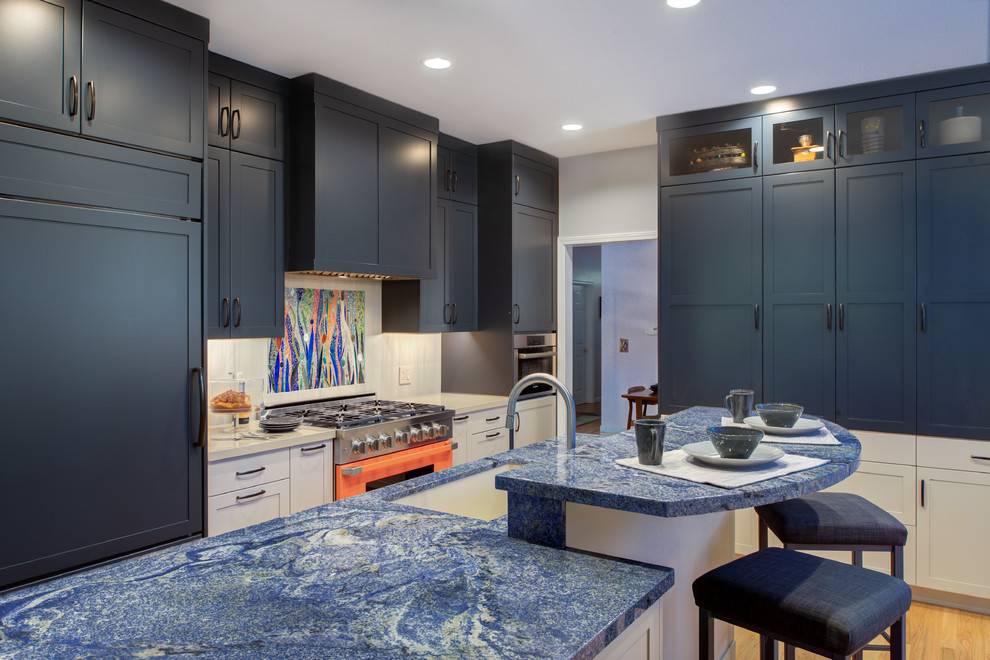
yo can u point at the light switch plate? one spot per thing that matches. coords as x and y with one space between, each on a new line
405 375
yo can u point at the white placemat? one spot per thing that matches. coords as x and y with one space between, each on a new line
820 437
678 464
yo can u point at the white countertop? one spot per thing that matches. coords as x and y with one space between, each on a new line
461 403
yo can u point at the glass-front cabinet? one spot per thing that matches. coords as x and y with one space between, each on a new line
875 131
799 140
954 121
729 150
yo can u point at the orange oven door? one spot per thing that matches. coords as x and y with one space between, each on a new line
353 478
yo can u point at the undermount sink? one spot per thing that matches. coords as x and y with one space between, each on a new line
473 496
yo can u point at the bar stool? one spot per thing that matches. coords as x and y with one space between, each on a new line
835 521
823 606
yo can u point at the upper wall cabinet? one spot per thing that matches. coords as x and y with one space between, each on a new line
798 141
363 183
729 150
534 184
875 131
954 121
244 117
100 72
457 175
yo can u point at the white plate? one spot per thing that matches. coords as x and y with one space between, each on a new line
803 426
706 453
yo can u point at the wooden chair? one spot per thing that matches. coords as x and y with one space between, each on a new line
639 397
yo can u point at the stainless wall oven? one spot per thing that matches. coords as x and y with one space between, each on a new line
533 354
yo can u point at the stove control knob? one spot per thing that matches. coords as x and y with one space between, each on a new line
428 431
371 442
385 440
439 430
415 434
357 446
401 437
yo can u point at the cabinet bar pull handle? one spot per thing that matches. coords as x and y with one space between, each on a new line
224 121
922 492
922 317
73 96
235 126
225 312
446 308
237 306
980 458
447 182
461 419
518 422
254 471
316 448
453 446
352 471
921 133
92 100
201 436
828 316
841 316
453 188
493 419
828 145
453 321
516 313
756 165
517 185
756 317
241 498
493 435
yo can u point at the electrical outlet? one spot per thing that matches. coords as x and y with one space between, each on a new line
651 330
405 375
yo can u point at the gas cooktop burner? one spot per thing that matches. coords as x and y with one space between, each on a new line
358 412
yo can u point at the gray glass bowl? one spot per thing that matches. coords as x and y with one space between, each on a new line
779 414
734 441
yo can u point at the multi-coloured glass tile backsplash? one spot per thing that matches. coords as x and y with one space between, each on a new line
323 345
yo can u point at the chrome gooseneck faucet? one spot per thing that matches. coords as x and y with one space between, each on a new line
510 411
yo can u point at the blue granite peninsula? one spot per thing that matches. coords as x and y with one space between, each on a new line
356 579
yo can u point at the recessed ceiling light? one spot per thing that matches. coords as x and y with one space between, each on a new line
763 89
572 127
682 4
437 63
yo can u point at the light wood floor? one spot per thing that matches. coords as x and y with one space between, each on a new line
933 633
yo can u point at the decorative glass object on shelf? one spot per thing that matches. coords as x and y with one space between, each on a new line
874 131
238 397
798 141
712 152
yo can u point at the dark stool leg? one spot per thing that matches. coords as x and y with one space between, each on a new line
898 639
764 534
897 561
706 634
768 648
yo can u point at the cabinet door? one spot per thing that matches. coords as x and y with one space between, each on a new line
875 131
435 311
346 155
954 121
464 178
876 340
407 197
729 150
257 121
460 437
710 292
489 443
257 262
951 548
216 231
142 83
799 290
800 140
39 62
954 292
250 506
533 271
536 420
445 173
218 111
112 314
534 184
310 476
462 267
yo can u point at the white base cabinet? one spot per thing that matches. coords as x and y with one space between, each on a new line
536 420
248 506
640 641
310 475
459 434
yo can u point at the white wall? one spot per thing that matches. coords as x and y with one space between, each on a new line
610 198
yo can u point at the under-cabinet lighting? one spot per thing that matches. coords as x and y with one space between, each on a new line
763 89
818 148
572 127
682 4
437 63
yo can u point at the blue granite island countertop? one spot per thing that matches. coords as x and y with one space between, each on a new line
589 474
356 579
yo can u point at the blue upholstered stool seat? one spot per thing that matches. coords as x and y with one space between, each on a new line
813 603
832 519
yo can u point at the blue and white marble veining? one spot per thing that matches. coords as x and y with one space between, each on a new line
589 474
354 579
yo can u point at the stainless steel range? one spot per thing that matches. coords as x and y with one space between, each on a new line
379 442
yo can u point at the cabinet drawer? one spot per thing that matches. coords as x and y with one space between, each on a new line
954 454
485 420
246 471
488 443
248 506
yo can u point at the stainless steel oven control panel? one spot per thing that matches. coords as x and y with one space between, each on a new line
357 444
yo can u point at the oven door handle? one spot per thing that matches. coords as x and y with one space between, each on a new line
537 356
352 471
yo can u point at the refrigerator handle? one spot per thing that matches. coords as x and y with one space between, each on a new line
201 433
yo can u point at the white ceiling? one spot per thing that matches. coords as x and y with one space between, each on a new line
521 68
